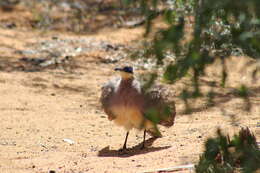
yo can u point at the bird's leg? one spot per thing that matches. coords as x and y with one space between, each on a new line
143 146
124 147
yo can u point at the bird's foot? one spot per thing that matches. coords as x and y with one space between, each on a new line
123 151
142 147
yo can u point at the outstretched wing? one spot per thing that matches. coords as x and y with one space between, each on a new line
157 108
107 92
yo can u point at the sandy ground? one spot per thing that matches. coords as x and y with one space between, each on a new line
38 110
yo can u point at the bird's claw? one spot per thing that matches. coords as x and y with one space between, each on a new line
122 151
142 147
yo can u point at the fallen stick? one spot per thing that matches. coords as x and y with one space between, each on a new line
175 168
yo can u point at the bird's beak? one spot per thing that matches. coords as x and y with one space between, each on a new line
118 69
123 74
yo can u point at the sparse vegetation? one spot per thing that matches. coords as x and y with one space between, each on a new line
220 29
225 155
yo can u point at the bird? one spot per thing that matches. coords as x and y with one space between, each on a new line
129 105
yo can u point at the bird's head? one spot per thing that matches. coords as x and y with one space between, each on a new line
125 72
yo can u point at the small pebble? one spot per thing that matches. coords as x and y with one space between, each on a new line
55 38
69 141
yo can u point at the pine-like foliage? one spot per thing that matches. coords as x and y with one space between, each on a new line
225 155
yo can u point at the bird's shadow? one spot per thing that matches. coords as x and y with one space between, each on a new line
136 150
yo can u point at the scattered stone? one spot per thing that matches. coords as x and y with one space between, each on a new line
69 141
109 60
10 25
134 23
33 61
